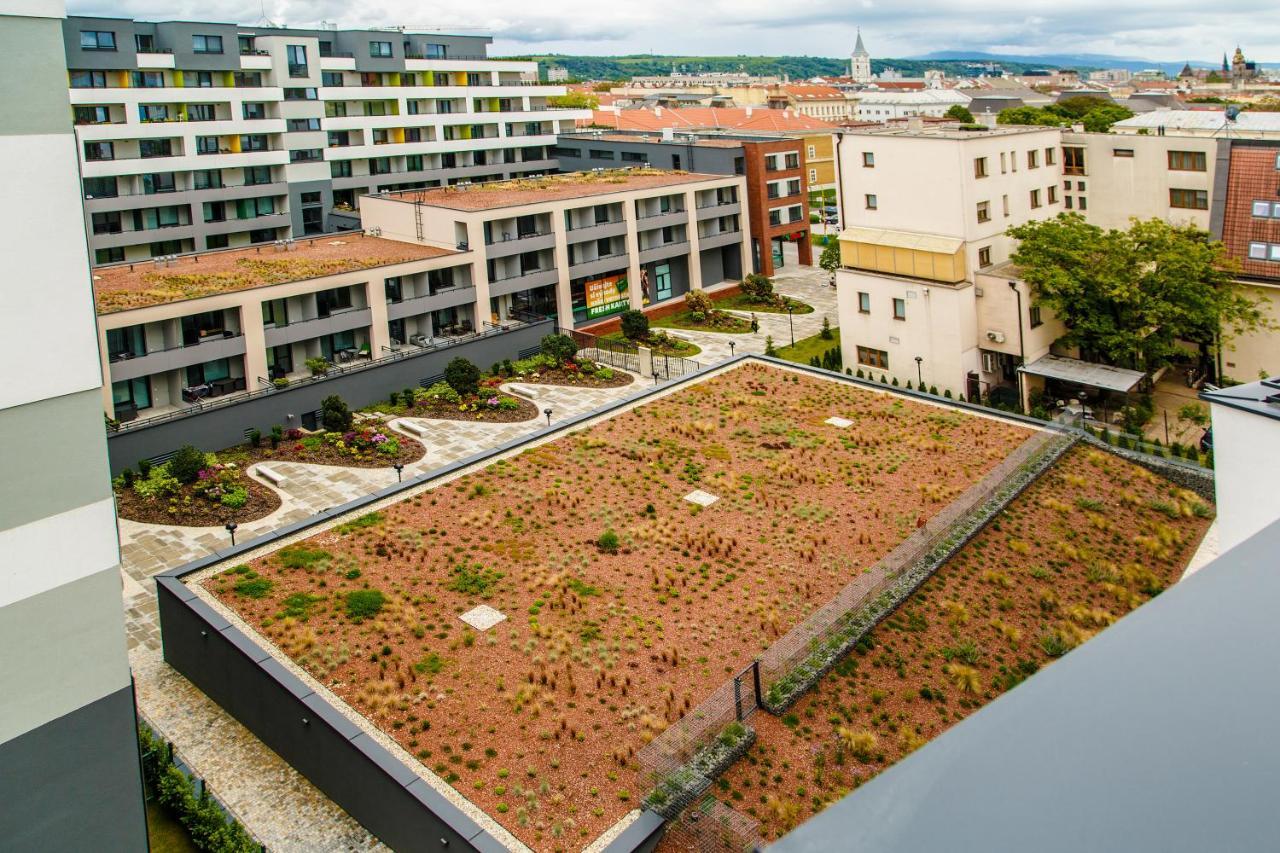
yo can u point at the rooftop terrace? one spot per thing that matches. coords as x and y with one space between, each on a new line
522 191
141 284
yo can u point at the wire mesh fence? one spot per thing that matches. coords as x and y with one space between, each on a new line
709 826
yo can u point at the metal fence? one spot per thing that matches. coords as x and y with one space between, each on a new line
671 366
710 826
804 653
622 355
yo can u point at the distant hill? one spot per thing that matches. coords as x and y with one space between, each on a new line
1080 61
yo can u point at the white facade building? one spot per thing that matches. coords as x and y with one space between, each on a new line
882 106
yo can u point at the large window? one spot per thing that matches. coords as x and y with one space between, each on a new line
1072 160
147 79
155 147
92 115
97 40
254 175
129 396
254 142
158 182
340 168
1189 199
129 342
873 357
206 44
297 94
380 49
251 208
296 54
198 327
101 151
1187 161
100 188
980 167
328 301
88 79
1266 209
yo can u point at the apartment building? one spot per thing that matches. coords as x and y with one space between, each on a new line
69 768
197 136
774 165
882 106
581 246
926 293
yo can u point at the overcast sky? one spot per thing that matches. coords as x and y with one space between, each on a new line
1166 30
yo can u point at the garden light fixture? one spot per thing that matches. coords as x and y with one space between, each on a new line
231 528
399 467
547 412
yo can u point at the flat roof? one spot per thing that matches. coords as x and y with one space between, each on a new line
140 284
683 139
903 240
1260 398
521 191
950 131
1084 373
1203 120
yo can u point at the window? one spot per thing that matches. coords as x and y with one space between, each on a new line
379 165
979 167
206 44
251 208
201 112
1033 315
380 48
1189 199
873 357
1080 186
813 176
100 188
1004 166
1052 194
305 155
144 43
206 145
872 202
600 154
254 142
92 115
868 160
300 125
158 182
984 211
984 256
1004 203
633 157
206 179
340 169
1187 161
1035 199
296 55
331 78
107 223
153 112
864 302
1258 251
294 94
675 161
1121 152
130 395
94 151
254 175
812 151
1033 159
97 40
215 211
1072 161
247 79
88 80
1067 202
310 198
146 79
1082 203
199 80
1050 156
1261 209
899 309
113 255
792 159
216 241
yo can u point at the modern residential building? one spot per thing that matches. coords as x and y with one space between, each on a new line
197 136
774 165
926 293
581 246
69 766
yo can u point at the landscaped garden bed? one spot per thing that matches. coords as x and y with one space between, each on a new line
756 294
658 341
701 315
366 444
625 604
578 372
1093 538
194 489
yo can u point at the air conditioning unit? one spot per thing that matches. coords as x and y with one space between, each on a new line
995 337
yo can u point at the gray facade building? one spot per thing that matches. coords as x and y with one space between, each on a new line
196 135
69 768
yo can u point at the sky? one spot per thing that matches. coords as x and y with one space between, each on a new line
1158 30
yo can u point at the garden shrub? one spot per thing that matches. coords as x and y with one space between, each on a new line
186 464
363 603
474 579
635 325
318 366
235 498
769 348
758 288
463 377
253 587
559 348
698 301
825 334
255 437
442 392
335 415
144 468
158 483
608 542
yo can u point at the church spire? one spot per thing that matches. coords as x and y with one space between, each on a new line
859 49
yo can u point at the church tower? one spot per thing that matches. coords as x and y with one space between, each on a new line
860 62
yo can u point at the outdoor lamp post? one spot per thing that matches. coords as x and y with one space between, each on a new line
547 412
919 375
791 323
399 467
231 528
732 345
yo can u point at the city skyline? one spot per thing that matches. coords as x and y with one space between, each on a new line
1159 33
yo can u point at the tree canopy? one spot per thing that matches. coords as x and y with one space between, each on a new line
574 100
959 112
1128 296
1095 114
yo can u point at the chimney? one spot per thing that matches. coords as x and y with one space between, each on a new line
748 112
915 124
657 112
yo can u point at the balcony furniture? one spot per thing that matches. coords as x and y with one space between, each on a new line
419 340
126 412
195 393
227 386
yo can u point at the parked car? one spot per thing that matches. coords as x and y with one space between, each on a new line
1206 441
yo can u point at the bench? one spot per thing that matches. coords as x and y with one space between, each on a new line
409 426
273 477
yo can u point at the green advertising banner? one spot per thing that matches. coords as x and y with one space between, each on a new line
607 295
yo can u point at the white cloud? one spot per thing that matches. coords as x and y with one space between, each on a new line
1168 30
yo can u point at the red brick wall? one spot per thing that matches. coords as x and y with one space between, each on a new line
758 201
1252 176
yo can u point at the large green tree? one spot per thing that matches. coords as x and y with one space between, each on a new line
1129 296
1095 114
959 112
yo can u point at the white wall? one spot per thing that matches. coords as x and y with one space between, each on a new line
1247 468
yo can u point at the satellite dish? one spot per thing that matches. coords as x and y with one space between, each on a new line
1233 112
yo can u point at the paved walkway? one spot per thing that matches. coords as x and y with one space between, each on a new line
280 807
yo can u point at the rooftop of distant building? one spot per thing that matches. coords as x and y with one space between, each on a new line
141 284
685 138
1192 119
731 118
522 191
950 130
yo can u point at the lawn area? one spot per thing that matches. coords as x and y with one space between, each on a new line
1095 537
742 302
624 604
807 348
165 834
726 323
662 344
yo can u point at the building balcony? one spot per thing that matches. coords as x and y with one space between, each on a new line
664 251
234 226
501 248
174 95
713 211
132 200
212 348
598 265
153 59
721 238
446 297
587 233
526 281
171 128
183 163
662 220
304 330
112 239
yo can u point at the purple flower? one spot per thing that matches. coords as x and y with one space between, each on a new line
492 401
378 438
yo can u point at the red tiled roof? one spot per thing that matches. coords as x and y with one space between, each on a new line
728 118
812 92
898 85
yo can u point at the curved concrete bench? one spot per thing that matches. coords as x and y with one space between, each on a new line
274 477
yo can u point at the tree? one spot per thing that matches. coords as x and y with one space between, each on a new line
1029 116
758 288
576 100
960 113
335 415
1100 118
698 301
560 348
1128 296
186 464
829 260
635 325
463 376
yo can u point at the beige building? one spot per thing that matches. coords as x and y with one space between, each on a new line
925 294
581 246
